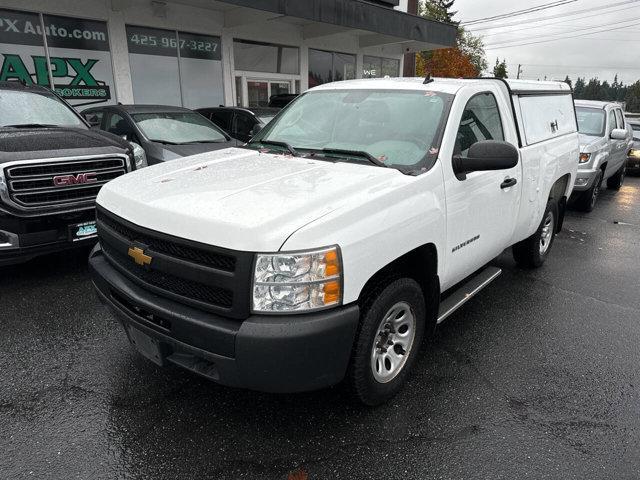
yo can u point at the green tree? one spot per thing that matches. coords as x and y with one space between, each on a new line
632 97
568 81
473 47
469 46
500 69
439 10
578 90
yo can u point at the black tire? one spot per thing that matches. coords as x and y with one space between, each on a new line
529 253
615 182
378 302
588 199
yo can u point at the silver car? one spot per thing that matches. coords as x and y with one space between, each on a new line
633 157
604 143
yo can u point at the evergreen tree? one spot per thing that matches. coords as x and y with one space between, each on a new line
500 69
567 80
578 90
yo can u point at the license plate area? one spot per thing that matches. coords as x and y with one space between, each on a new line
149 347
82 231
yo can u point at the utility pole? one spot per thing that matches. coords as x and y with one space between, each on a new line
519 70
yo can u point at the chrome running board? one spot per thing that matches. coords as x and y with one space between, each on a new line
467 291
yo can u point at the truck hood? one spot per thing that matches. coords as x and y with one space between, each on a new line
240 199
36 143
186 150
590 143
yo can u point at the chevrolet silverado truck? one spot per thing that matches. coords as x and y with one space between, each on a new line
332 244
51 169
604 143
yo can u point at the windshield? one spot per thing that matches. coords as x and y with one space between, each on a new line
590 121
34 108
178 128
636 130
393 128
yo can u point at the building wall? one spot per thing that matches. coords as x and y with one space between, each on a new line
196 19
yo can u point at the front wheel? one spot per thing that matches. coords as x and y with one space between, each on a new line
532 252
615 182
587 200
392 326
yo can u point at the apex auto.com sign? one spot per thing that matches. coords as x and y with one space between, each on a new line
78 51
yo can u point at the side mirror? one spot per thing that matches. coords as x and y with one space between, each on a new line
618 134
486 155
255 130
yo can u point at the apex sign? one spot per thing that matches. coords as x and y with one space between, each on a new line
81 84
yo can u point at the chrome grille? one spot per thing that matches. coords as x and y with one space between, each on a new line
31 183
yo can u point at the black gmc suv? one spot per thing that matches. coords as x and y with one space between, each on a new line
52 166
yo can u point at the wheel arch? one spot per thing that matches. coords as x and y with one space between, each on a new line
558 193
420 264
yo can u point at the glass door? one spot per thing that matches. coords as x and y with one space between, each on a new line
256 92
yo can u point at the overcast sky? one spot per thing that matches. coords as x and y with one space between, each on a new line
605 51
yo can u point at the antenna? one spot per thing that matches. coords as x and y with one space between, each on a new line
428 79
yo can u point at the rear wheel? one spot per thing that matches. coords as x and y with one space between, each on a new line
616 181
532 252
392 326
587 200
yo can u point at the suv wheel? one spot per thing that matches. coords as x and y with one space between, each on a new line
532 252
587 200
616 181
392 326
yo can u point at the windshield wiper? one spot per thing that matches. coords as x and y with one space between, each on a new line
30 125
276 143
164 142
356 153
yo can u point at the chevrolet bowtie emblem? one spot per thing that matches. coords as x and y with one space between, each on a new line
139 256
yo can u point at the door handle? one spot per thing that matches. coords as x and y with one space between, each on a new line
508 182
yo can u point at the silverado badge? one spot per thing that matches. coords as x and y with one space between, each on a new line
139 256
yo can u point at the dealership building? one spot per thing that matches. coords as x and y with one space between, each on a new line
200 53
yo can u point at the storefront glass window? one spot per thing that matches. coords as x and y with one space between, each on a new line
78 50
265 57
327 67
375 67
161 72
258 94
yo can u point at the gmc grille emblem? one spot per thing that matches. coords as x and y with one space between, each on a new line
81 178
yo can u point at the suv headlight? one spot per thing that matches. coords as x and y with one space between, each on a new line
634 152
297 281
139 157
584 157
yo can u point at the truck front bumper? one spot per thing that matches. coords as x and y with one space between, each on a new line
584 180
23 238
271 353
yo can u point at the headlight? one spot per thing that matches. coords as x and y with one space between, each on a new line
297 281
139 156
634 153
584 157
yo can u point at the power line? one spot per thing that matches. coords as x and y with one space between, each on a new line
560 15
516 13
560 35
508 45
561 22
595 67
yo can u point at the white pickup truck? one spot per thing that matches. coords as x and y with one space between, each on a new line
327 248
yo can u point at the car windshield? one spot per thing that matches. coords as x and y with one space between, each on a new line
393 128
590 121
636 130
178 128
27 108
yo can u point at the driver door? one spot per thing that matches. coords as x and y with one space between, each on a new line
481 208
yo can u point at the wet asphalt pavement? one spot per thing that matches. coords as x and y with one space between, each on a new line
537 377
